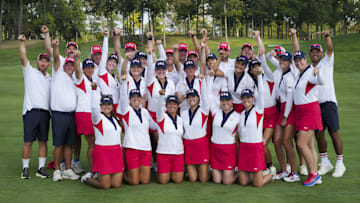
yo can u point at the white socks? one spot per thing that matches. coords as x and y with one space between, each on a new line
25 163
339 159
324 157
42 161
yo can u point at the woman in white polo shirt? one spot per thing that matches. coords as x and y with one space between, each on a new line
107 153
137 122
170 148
307 113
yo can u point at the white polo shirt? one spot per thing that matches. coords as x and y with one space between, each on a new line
183 86
306 88
152 92
246 82
63 92
327 91
224 131
83 92
37 89
251 123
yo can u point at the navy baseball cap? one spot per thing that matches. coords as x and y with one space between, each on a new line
254 62
134 92
189 63
225 95
172 98
192 92
43 56
87 63
211 55
106 99
247 92
140 54
299 54
160 64
135 62
115 57
286 56
242 58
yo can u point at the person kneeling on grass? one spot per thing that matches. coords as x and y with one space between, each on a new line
251 162
107 153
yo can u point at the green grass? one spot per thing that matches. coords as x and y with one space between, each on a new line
13 189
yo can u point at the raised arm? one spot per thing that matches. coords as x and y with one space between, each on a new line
203 96
271 57
161 50
328 43
194 40
259 101
22 50
123 99
317 77
150 46
215 68
124 71
105 51
204 38
292 33
78 71
95 104
47 40
203 59
117 45
150 67
261 47
266 68
176 57
56 55
160 110
289 101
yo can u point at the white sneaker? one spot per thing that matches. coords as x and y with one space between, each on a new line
288 168
303 170
95 175
273 170
325 167
70 175
339 170
292 177
76 167
280 175
85 177
57 176
62 166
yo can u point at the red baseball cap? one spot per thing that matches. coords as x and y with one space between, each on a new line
247 45
96 49
131 45
169 51
193 52
69 59
43 56
183 46
316 46
224 45
72 43
277 50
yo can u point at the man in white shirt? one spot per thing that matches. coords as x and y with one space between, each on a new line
63 105
35 113
328 105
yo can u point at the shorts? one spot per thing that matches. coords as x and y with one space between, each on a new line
271 115
167 163
63 128
83 122
223 156
308 117
330 116
238 107
251 157
135 158
107 159
197 151
290 120
36 125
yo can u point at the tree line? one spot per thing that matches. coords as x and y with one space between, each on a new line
80 19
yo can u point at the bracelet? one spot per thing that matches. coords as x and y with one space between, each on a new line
327 35
192 36
150 38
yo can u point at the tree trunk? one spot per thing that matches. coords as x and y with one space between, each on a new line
308 31
237 30
203 13
225 18
345 26
221 27
213 26
278 30
1 24
317 30
142 28
334 29
268 31
197 18
44 11
189 25
20 20
246 28
262 28
164 34
287 30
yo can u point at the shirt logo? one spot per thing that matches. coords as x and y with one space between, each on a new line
230 167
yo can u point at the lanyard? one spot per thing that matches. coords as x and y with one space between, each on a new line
237 82
165 84
191 116
301 74
173 120
190 84
138 113
282 76
247 113
225 117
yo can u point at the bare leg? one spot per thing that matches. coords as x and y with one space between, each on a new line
133 176
288 139
193 173
303 140
67 156
91 143
145 174
278 147
102 182
203 173
77 147
268 134
260 180
26 150
177 177
337 142
163 178
228 177
116 180
58 156
217 176
321 141
244 178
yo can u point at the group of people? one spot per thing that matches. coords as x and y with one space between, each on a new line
193 108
